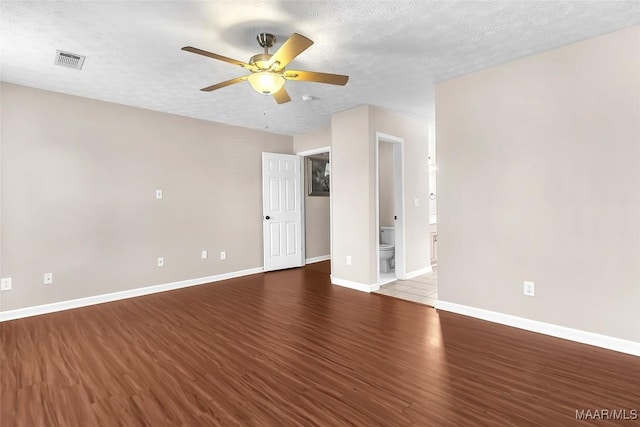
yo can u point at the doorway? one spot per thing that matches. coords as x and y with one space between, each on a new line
421 288
317 204
389 190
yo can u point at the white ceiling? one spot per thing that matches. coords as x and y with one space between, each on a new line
393 51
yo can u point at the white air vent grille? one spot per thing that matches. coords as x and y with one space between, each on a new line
68 59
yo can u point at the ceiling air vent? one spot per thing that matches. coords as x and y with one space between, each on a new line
69 59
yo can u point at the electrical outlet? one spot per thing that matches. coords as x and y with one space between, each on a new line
348 259
529 288
205 254
223 255
48 278
5 284
160 262
158 194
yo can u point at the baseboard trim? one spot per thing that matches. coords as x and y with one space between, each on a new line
115 296
417 273
584 337
317 259
363 287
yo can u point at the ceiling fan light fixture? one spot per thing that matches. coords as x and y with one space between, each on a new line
268 71
265 82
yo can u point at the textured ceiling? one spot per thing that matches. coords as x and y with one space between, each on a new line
393 50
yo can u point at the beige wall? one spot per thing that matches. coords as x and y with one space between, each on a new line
312 140
317 233
539 179
78 196
354 209
352 187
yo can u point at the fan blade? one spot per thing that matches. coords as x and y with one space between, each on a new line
281 96
224 84
294 46
312 76
218 57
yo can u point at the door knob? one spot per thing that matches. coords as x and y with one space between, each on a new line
267 217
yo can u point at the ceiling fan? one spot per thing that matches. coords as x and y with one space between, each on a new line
268 72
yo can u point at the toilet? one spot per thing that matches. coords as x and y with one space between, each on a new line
386 249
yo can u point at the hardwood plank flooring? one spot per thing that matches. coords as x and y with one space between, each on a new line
289 349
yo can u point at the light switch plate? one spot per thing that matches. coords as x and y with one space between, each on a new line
47 278
160 262
529 289
205 254
158 194
5 284
223 255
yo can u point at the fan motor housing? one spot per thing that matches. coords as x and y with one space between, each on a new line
260 60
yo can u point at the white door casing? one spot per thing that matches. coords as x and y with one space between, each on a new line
398 204
282 211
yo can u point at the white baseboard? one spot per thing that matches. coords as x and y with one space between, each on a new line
114 296
363 287
417 273
584 337
317 259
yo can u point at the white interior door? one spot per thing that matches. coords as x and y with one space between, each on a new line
282 211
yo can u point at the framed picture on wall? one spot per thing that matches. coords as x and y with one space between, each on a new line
318 175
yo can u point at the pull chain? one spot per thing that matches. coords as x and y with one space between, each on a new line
266 122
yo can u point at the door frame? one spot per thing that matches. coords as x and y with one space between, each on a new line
398 203
304 155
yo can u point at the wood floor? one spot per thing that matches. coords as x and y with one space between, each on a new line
288 349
